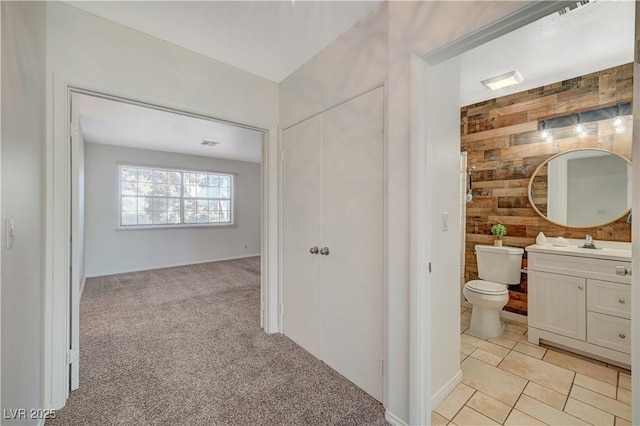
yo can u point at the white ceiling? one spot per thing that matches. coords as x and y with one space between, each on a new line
267 38
122 124
591 38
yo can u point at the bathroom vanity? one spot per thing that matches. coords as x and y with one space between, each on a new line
580 298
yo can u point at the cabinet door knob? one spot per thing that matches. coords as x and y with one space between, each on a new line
324 251
622 335
621 301
580 287
313 250
622 271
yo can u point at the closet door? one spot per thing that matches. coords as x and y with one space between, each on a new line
352 216
301 231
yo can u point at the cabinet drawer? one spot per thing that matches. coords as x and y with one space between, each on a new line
598 269
608 331
609 298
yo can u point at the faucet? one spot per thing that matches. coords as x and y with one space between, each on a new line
588 242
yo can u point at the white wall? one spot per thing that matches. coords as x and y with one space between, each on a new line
22 154
378 49
442 134
111 250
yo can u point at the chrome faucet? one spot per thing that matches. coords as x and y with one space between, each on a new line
588 242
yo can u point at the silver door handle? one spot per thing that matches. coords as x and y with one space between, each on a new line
621 301
622 335
313 250
580 287
324 251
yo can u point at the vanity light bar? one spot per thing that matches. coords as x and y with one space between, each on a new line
585 117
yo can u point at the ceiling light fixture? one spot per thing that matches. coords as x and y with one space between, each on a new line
210 143
505 80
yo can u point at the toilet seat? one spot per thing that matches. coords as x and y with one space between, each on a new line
486 287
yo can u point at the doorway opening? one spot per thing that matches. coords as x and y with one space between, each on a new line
429 74
167 216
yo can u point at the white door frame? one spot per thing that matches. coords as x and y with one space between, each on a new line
56 303
420 236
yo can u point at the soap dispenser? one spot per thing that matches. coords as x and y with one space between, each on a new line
541 239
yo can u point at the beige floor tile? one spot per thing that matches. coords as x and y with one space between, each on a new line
534 351
465 317
624 381
546 395
468 416
463 327
518 418
541 372
490 407
463 356
624 396
503 341
462 309
454 401
497 383
438 420
602 402
483 344
588 413
518 337
595 385
588 368
545 413
465 347
515 327
622 422
487 357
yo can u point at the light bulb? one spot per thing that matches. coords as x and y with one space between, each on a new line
617 122
544 134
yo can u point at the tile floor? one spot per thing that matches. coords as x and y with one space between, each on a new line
509 381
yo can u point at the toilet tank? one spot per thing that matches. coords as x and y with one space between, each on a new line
499 264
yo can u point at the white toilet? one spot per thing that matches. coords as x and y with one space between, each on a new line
497 267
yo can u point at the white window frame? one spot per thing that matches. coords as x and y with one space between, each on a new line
182 197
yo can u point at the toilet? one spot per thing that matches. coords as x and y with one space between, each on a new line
497 268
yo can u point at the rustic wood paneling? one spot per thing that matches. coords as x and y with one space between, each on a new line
503 143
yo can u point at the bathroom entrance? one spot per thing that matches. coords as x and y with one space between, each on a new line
509 139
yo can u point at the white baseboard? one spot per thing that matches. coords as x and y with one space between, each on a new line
439 396
84 281
126 271
514 317
393 420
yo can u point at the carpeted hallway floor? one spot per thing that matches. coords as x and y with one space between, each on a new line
183 346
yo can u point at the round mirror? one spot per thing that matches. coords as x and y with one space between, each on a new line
582 188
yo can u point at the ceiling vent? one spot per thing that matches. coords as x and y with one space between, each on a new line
574 6
210 143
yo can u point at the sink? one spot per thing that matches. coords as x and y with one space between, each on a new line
606 249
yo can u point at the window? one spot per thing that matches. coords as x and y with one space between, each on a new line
157 197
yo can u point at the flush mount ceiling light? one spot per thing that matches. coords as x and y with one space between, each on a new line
210 143
505 80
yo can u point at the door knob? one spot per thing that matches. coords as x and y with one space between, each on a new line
324 251
313 250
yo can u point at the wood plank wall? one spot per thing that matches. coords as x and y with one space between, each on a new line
503 143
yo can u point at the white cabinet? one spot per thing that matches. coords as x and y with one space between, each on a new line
333 233
582 303
557 304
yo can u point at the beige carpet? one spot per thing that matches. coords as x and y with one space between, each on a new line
183 346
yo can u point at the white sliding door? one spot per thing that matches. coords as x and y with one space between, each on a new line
333 199
301 231
352 215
